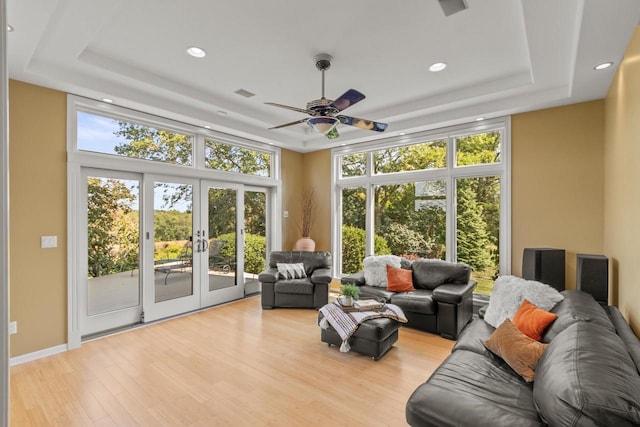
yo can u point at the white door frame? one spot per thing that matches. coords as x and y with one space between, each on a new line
231 293
89 324
158 310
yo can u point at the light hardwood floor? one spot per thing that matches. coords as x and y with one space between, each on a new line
232 365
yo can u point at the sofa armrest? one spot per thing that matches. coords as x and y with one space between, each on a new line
453 294
268 276
354 279
321 275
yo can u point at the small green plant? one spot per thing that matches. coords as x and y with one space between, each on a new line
350 291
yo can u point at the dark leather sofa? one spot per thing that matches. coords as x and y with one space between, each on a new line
309 292
588 375
442 302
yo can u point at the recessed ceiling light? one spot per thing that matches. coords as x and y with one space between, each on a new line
402 133
196 52
437 66
271 143
603 66
107 100
479 119
9 28
221 112
207 127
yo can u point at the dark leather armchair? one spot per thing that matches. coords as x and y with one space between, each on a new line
442 301
309 292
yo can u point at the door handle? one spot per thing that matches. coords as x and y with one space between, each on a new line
205 245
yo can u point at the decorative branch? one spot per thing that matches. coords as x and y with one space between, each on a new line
308 209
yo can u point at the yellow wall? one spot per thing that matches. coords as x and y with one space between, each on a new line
317 167
37 152
292 186
557 183
622 183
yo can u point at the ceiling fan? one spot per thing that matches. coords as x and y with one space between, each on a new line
324 112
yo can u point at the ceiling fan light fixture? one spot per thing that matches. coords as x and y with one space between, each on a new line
323 124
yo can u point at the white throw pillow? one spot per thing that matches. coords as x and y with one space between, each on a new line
291 271
375 269
508 294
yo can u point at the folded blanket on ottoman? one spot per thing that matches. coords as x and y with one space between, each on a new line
346 324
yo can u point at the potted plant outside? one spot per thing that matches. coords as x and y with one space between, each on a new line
349 293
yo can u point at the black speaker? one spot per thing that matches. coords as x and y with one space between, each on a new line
592 276
544 265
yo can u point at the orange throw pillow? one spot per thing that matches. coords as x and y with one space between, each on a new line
532 321
399 279
518 350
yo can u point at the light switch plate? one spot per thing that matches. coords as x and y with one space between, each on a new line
48 242
13 328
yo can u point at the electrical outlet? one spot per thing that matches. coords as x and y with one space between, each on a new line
285 214
13 328
49 242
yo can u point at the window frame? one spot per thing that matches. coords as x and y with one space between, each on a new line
449 174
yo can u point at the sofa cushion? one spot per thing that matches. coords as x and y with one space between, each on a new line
311 260
518 350
473 336
469 389
576 306
532 321
431 273
418 301
586 377
293 286
399 279
367 291
375 269
510 291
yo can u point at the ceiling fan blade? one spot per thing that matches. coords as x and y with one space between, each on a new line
290 124
347 99
362 123
299 110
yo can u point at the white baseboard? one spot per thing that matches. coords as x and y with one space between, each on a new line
29 357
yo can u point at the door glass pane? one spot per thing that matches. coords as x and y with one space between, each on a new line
222 237
478 228
173 237
410 219
113 240
354 201
255 239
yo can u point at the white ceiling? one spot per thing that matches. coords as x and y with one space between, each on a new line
503 56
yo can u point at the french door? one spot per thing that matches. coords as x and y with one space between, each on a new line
194 245
110 289
158 246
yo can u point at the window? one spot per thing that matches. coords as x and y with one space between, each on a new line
232 158
428 155
440 195
128 139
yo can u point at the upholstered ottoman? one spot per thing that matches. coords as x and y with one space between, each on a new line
373 338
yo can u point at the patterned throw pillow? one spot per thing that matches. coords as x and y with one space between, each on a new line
291 271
